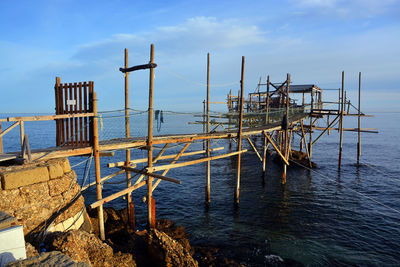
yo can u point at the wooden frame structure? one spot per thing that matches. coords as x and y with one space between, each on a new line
77 133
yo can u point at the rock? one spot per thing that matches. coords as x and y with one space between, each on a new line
31 251
113 220
85 247
22 177
54 258
165 251
175 232
273 260
55 170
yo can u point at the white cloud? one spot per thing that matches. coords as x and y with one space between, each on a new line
347 9
193 35
316 3
182 48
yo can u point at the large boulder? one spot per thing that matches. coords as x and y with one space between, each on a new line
84 247
176 232
165 251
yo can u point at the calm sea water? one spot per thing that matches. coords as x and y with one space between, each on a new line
320 217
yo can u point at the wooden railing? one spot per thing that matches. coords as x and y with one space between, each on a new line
19 121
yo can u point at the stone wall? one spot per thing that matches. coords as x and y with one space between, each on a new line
42 195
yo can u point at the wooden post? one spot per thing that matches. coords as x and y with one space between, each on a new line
129 204
97 166
239 136
286 129
301 138
204 123
259 95
21 133
359 119
310 139
341 124
327 123
150 202
207 193
264 162
57 98
312 100
268 82
1 142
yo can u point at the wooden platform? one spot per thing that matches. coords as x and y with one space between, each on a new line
5 157
141 142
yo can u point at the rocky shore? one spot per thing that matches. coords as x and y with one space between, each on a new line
167 245
45 199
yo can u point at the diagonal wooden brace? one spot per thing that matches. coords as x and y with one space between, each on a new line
276 148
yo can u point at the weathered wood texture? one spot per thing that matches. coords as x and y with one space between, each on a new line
72 101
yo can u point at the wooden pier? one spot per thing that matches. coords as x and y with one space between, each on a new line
272 114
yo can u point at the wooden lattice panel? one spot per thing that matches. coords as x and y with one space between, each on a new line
74 98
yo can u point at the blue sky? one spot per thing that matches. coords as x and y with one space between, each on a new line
314 40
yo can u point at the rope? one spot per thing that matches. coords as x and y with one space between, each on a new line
377 170
361 194
80 163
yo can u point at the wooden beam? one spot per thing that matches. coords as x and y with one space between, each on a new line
143 160
305 144
151 217
97 167
21 133
1 142
155 160
276 148
150 66
102 201
254 148
50 117
159 155
8 129
208 169
173 161
359 119
326 129
213 102
127 135
127 168
239 135
265 150
341 125
26 146
192 162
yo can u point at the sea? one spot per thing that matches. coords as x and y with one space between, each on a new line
320 217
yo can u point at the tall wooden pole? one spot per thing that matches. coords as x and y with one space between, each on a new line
129 203
268 83
204 123
311 126
150 201
239 136
230 116
207 200
58 122
100 214
341 123
359 119
264 159
286 141
1 142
